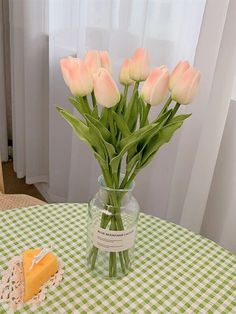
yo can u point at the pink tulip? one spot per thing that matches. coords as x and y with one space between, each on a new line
76 76
105 60
139 68
93 61
105 89
180 68
155 88
185 88
124 76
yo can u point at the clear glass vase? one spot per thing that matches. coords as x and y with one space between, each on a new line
112 223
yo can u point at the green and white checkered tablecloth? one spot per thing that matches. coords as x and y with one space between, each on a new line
175 271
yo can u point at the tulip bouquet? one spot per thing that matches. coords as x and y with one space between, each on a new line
116 125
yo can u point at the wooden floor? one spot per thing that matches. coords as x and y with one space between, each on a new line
13 185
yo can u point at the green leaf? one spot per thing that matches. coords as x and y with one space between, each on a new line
84 103
95 112
106 134
136 136
140 146
143 133
120 106
131 112
101 161
77 105
121 124
97 141
180 117
163 116
104 117
78 126
141 108
110 149
130 141
105 149
161 122
162 137
133 162
133 120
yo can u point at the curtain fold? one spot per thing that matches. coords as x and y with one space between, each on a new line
3 115
214 120
220 215
194 168
29 60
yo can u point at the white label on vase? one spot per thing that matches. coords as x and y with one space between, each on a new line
113 241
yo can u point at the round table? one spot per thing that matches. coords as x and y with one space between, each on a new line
175 270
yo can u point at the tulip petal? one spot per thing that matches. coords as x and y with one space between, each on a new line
105 60
124 76
159 90
139 66
180 68
186 86
155 87
92 60
76 76
105 89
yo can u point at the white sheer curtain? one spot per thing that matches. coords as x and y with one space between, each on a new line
45 149
120 27
176 185
3 116
200 141
29 60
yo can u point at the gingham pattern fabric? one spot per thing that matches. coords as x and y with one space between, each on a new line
175 271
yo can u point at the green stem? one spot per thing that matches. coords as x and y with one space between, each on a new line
110 265
112 259
126 258
126 88
168 102
175 109
121 257
112 127
94 254
131 179
128 179
125 179
95 107
93 99
128 111
116 224
120 112
122 262
85 105
145 115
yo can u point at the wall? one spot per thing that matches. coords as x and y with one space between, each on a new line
219 223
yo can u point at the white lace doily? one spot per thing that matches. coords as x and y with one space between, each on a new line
12 286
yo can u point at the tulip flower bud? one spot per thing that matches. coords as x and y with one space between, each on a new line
139 67
92 60
105 60
180 68
105 89
124 76
76 76
185 88
155 88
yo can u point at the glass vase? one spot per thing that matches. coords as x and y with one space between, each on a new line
112 223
